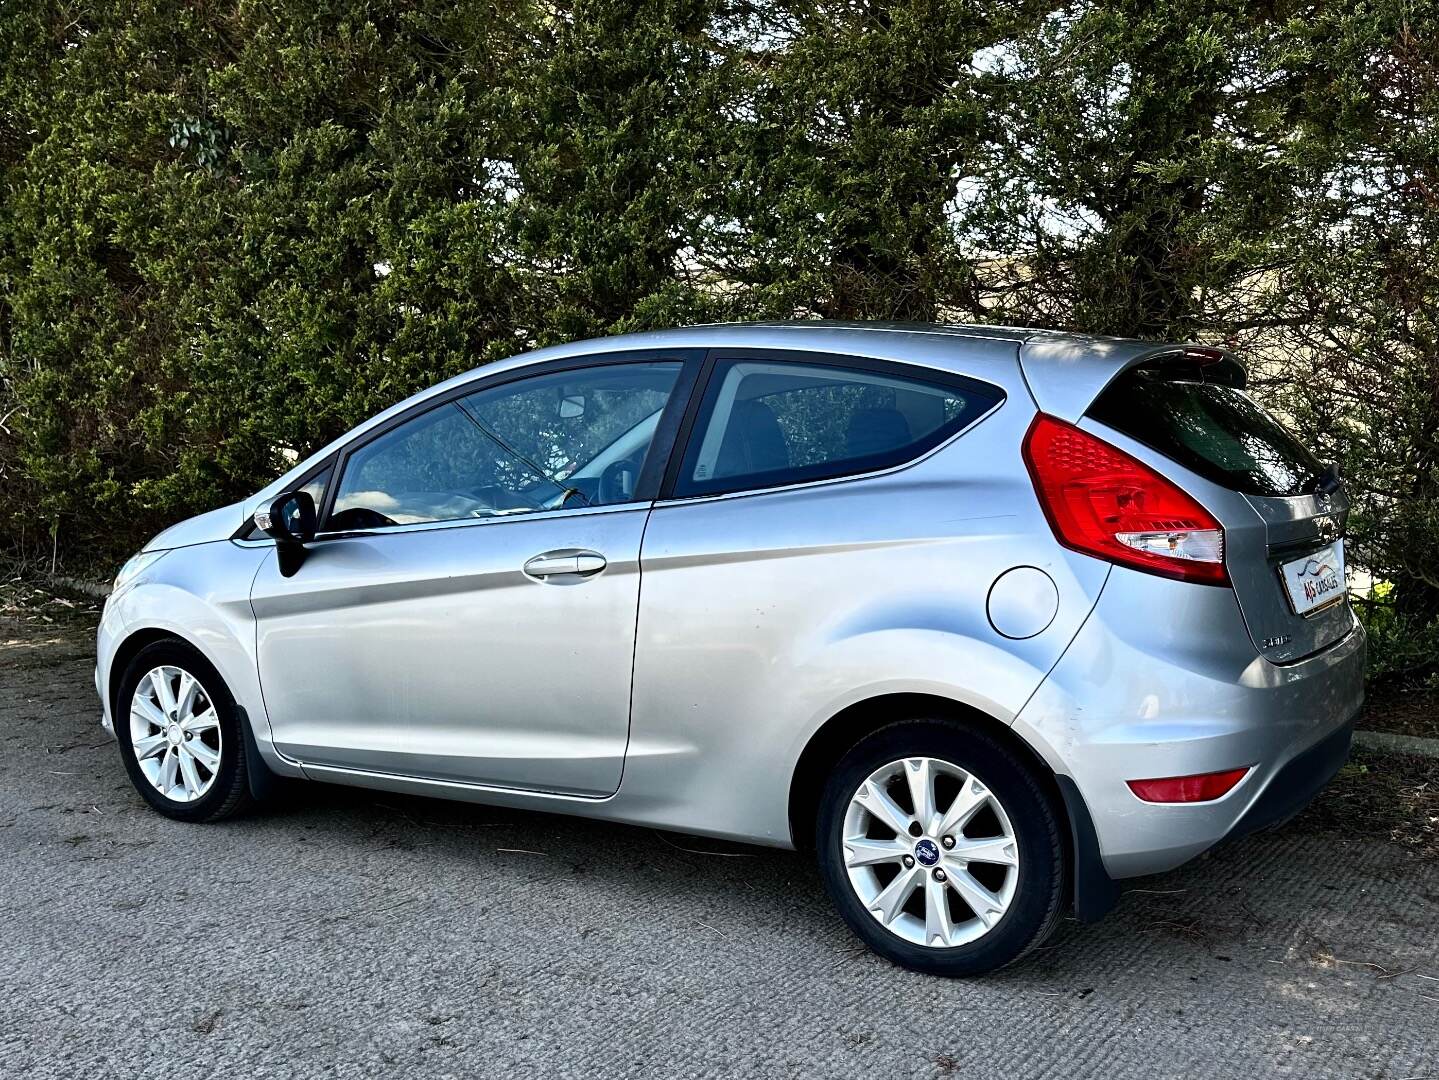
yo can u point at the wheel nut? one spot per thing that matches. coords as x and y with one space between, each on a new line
948 841
908 861
939 874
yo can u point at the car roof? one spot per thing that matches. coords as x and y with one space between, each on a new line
1063 371
793 332
897 339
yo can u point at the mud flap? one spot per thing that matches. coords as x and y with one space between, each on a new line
1095 892
263 782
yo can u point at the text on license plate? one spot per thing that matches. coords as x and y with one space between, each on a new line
1316 580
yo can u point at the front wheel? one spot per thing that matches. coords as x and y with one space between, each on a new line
179 734
941 849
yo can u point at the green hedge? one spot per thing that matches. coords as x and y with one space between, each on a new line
229 231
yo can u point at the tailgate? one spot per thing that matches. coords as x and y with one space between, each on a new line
1290 510
1303 534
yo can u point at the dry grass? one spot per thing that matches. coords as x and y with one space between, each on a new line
23 600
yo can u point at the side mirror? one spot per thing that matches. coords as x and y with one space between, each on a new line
290 521
572 407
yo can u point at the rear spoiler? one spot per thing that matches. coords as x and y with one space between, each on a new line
1067 372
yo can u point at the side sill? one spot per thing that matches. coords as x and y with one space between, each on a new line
441 789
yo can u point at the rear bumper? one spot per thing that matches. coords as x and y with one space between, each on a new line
1163 680
1296 783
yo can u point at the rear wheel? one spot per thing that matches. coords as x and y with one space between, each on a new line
179 734
941 849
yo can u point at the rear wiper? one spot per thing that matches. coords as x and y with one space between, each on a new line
1329 481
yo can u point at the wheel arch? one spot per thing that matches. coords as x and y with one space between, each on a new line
1092 890
129 648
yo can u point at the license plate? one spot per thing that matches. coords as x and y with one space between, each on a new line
1315 581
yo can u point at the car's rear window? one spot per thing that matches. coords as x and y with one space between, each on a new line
1214 430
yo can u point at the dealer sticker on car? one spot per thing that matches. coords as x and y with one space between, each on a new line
1316 580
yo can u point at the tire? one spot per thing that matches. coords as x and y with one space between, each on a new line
211 738
934 898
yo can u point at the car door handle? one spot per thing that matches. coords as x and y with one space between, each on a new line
589 562
567 561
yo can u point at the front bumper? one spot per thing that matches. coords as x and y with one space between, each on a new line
1163 680
108 636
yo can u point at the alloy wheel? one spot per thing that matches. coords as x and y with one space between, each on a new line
930 852
175 733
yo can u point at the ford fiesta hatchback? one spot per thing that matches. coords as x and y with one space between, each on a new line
988 619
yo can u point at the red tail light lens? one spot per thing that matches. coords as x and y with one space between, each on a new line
1103 502
1185 789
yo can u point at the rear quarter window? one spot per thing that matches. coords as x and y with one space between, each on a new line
769 422
1215 430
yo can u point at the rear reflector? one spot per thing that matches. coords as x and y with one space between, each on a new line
1103 502
1188 789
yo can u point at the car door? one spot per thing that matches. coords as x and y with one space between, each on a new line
467 612
817 547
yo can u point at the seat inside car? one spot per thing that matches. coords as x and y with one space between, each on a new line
753 442
874 431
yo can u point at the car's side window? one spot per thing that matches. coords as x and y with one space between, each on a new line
766 423
317 484
564 439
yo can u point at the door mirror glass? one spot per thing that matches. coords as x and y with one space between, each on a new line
290 518
572 407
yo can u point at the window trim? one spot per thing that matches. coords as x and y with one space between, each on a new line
720 360
646 487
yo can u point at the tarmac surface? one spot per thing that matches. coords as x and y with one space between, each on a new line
352 934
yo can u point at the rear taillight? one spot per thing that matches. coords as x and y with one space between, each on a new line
1103 502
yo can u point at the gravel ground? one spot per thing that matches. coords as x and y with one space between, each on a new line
349 934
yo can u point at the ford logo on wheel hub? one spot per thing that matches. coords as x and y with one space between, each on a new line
926 852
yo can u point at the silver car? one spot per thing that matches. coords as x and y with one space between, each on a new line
988 619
